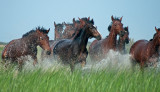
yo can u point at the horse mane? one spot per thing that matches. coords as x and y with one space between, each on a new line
59 24
41 29
126 29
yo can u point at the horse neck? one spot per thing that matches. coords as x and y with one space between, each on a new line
82 37
111 40
154 45
121 44
31 40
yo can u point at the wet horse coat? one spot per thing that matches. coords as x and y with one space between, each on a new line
146 52
99 49
27 45
71 51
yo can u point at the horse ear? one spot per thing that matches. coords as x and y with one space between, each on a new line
127 27
88 18
112 18
121 18
54 23
74 20
156 29
81 22
79 19
92 21
65 24
48 30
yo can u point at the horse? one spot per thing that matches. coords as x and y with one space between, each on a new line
26 46
71 51
70 32
99 49
146 52
122 41
58 31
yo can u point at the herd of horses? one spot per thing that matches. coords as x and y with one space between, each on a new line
70 44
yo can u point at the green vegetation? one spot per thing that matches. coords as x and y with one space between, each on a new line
62 80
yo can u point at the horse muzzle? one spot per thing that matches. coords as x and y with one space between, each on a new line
99 37
48 52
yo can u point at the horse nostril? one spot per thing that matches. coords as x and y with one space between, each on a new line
48 52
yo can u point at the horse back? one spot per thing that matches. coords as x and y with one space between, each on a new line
138 49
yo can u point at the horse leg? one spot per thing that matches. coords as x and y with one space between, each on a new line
20 64
35 61
72 66
142 66
83 63
133 64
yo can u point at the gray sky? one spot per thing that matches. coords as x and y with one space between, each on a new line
18 16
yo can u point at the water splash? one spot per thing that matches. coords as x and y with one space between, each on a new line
113 60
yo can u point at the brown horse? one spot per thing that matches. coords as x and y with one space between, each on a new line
27 45
69 31
122 41
72 51
146 52
58 31
99 49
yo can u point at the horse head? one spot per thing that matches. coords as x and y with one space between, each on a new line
92 30
43 40
117 26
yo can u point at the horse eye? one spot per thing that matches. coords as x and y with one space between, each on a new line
41 38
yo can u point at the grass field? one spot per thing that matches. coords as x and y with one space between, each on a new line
62 80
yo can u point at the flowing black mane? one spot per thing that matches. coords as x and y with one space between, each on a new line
41 29
126 29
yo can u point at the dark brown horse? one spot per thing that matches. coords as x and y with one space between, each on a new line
58 31
122 41
27 45
72 51
99 49
146 52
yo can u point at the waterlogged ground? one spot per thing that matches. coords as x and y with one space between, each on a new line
113 74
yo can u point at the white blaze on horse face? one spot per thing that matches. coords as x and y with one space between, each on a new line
64 27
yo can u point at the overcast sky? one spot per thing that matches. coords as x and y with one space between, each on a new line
18 16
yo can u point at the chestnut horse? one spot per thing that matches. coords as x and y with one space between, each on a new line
27 45
71 51
146 52
122 41
99 49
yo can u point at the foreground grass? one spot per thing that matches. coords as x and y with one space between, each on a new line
62 80
79 81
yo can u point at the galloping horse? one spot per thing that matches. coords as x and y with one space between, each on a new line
146 52
71 51
122 41
58 31
27 45
99 49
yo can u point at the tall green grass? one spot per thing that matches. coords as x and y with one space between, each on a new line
62 80
79 81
